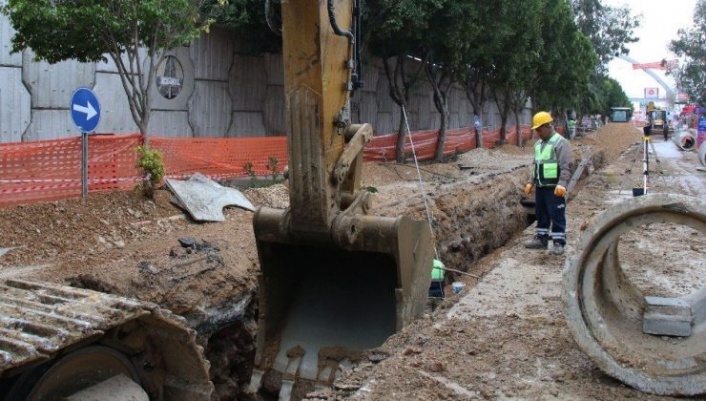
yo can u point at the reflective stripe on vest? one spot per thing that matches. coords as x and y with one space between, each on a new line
546 164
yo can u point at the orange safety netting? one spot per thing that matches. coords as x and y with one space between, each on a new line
221 158
51 170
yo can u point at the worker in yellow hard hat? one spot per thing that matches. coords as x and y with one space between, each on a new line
551 172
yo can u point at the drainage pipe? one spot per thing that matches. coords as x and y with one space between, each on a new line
607 313
685 140
702 153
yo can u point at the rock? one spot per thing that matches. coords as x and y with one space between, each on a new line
435 367
187 242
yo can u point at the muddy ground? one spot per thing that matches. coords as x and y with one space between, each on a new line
123 244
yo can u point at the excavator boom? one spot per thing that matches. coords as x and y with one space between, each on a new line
334 279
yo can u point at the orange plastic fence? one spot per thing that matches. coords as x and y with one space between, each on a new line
51 170
221 158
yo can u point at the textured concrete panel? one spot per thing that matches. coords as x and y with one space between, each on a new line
452 101
384 101
454 121
384 124
274 68
171 124
367 107
210 109
212 55
247 124
115 111
185 73
371 76
50 124
15 113
275 120
248 83
6 34
52 85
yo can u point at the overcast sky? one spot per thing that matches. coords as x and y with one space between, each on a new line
660 22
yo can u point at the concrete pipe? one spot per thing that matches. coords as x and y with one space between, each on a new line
685 140
702 154
610 318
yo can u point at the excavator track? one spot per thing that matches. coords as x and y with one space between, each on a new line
56 341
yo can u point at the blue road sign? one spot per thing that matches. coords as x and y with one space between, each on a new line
85 110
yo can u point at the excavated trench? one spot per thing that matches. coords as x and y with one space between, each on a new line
472 215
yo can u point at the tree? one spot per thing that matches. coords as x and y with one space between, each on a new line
249 19
449 49
610 29
690 76
133 33
568 60
395 33
519 57
613 96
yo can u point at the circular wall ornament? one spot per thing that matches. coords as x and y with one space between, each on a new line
169 77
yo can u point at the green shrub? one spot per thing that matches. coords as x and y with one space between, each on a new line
152 165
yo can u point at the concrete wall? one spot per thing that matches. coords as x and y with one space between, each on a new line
217 90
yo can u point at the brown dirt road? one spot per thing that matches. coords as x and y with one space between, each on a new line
123 244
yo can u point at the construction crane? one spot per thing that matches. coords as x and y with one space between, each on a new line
649 71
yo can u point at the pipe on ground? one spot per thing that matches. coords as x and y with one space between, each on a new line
702 154
685 140
607 313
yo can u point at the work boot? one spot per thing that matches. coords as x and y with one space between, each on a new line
557 249
537 243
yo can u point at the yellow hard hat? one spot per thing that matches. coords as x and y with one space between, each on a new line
540 119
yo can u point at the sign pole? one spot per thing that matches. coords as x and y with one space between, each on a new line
86 113
84 165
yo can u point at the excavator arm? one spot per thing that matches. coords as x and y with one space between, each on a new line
335 280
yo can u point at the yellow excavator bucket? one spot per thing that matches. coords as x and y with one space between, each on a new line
335 280
321 304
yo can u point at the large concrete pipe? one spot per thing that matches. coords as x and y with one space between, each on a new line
609 316
702 154
685 140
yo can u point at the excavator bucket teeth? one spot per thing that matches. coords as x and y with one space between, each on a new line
322 304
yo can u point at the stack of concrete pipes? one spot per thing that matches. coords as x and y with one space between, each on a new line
685 139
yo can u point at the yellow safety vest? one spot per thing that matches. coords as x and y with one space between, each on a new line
546 170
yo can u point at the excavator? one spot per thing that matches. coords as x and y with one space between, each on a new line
335 280
657 120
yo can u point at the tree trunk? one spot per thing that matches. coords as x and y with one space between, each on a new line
479 135
518 127
441 138
401 135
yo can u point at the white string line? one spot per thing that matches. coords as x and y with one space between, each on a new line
421 183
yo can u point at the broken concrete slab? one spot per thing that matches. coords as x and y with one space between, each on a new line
204 199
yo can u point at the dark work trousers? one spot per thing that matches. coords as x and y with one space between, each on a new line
550 208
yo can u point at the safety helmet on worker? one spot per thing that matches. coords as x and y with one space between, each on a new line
540 119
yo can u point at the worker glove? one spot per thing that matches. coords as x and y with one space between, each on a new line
560 191
528 189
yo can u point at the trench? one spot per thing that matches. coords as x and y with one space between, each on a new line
472 217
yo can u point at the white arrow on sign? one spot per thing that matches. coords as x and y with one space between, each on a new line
89 111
